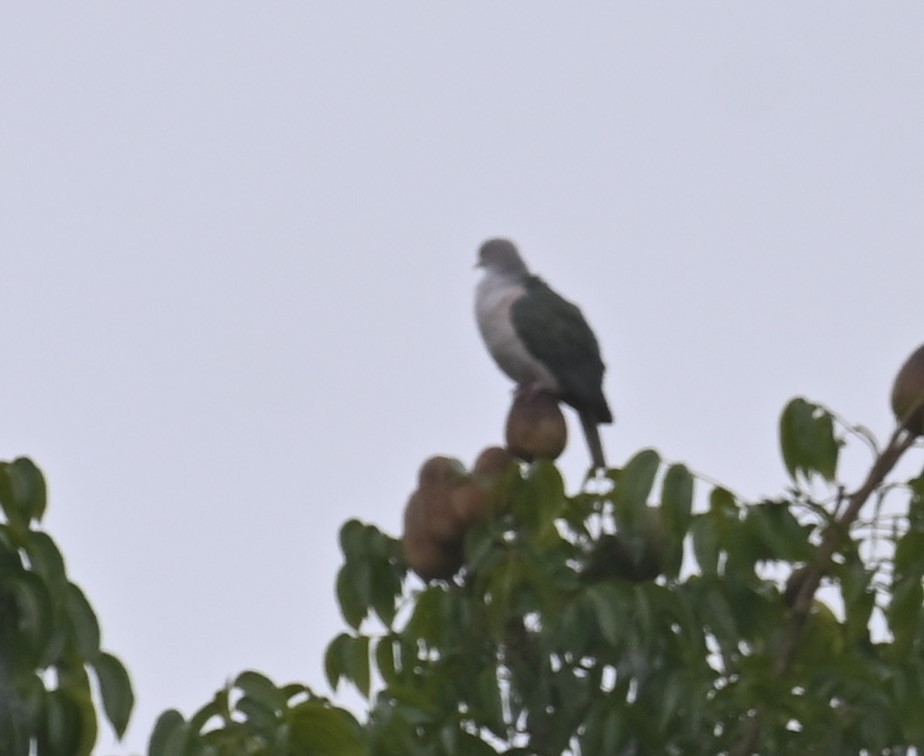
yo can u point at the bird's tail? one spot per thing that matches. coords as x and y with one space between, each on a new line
593 440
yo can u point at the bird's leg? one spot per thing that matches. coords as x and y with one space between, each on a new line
529 391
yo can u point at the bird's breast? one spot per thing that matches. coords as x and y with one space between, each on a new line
493 301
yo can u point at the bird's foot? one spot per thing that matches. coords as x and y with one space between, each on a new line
529 391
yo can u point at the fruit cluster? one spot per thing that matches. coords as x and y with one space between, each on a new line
447 502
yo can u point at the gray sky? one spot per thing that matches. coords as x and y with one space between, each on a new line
237 245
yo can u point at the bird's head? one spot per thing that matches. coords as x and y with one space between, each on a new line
501 256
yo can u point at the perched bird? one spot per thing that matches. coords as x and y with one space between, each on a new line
540 339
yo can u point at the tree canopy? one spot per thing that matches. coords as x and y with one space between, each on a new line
49 636
653 611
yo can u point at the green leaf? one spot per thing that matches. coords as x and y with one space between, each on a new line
319 730
673 698
216 709
719 616
83 622
354 587
86 711
10 560
72 674
591 739
353 540
705 544
333 660
776 534
909 554
115 689
426 622
822 636
35 611
908 692
722 504
47 561
32 693
604 728
677 498
31 487
18 707
385 659
724 514
381 546
795 427
643 612
858 599
490 708
58 646
9 502
385 588
612 730
578 627
480 550
610 609
356 663
472 745
61 731
663 547
22 492
807 440
292 690
827 447
904 613
413 705
505 580
169 736
548 492
261 689
348 656
260 719
633 486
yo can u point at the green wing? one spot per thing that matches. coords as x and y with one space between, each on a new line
555 333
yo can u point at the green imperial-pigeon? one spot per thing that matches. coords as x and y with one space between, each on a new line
539 339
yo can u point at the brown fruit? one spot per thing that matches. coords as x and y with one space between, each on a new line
446 502
438 478
429 557
536 427
470 503
493 462
440 471
471 500
908 393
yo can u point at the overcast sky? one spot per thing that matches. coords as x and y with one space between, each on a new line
236 250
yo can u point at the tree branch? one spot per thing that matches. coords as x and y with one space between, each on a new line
832 539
